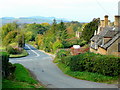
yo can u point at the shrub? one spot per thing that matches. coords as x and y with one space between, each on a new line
10 50
57 45
62 53
7 68
106 65
14 50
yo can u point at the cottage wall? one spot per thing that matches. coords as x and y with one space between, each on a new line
113 49
93 50
102 51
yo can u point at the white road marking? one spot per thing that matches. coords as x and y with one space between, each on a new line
33 51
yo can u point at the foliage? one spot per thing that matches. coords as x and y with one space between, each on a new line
7 28
57 45
7 68
21 40
90 62
15 84
89 29
14 50
36 29
23 54
62 33
23 75
14 37
10 38
28 36
62 53
22 79
95 77
39 39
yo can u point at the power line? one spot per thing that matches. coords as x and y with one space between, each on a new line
103 8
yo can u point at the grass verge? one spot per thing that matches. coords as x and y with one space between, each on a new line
23 54
95 77
22 79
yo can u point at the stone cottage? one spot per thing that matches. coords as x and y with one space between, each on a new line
106 39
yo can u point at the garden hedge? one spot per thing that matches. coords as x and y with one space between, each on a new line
91 62
7 68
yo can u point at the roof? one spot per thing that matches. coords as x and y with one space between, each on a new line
111 41
107 32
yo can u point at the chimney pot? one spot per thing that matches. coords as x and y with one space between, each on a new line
117 21
106 21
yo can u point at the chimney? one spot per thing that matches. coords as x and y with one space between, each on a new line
106 21
102 23
117 21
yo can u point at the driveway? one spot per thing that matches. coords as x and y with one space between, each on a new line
41 65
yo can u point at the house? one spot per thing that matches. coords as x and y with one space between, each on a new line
106 39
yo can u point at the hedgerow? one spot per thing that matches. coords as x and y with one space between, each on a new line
90 62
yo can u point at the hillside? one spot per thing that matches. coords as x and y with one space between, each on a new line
33 19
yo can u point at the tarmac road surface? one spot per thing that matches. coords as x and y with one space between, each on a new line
41 65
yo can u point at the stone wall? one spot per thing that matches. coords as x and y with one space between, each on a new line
93 50
113 49
101 51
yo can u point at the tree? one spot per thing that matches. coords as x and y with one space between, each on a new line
89 29
10 38
36 29
28 36
14 37
57 45
39 39
7 28
70 32
62 33
54 26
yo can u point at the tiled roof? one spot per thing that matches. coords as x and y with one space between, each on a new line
112 32
108 32
111 41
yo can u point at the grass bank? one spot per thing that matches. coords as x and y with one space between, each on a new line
23 54
21 79
95 77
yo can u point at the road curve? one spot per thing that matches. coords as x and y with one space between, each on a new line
49 74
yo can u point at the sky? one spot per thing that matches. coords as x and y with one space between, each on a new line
76 10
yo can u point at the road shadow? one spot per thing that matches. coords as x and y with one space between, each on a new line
31 48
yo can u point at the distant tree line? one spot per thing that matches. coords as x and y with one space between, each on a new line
48 37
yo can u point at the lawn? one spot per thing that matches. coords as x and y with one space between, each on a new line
95 77
22 79
23 54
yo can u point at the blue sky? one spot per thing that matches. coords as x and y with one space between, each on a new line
80 10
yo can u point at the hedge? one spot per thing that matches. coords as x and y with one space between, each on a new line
7 68
91 62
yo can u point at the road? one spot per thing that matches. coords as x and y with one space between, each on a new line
41 65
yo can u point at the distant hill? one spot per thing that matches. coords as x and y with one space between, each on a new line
33 19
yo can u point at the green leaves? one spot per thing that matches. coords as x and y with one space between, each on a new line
89 29
90 62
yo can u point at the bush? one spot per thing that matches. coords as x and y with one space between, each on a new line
57 45
106 65
7 68
10 50
62 53
15 50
